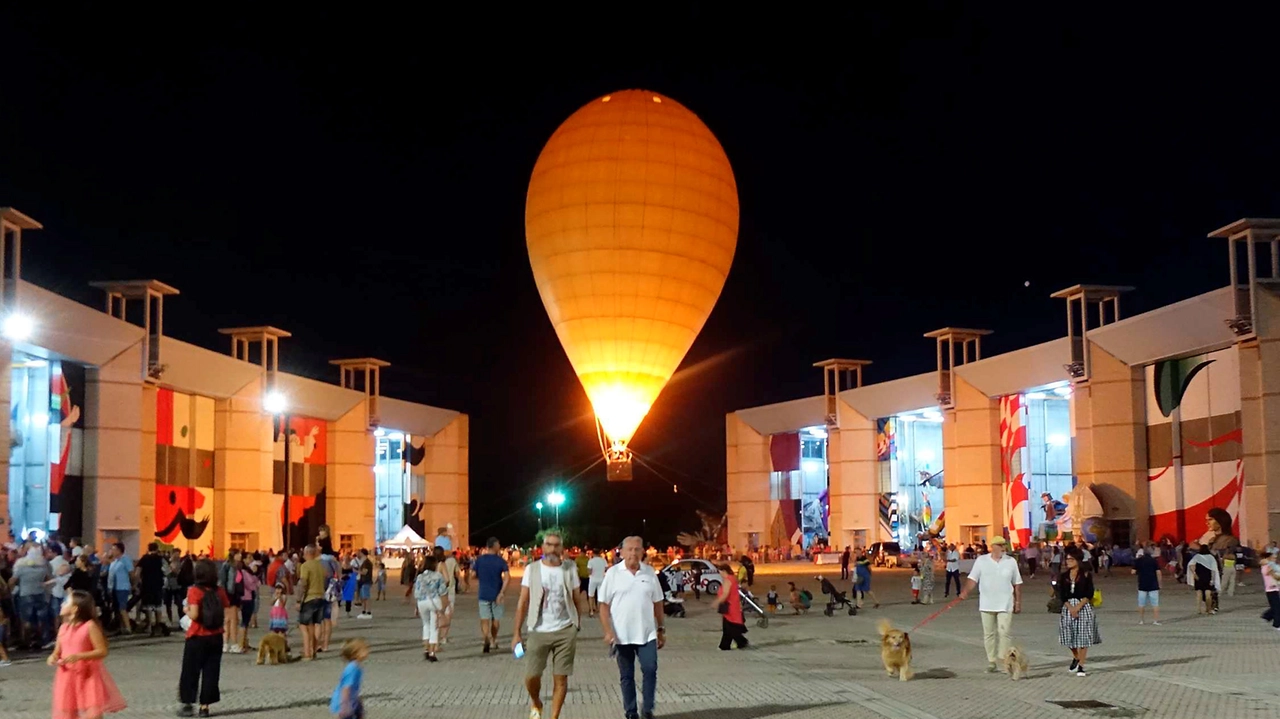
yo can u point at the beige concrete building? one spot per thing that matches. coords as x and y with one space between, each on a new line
1126 428
121 433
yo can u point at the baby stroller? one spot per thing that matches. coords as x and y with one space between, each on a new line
672 606
749 601
836 598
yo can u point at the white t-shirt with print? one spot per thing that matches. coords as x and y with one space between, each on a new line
555 604
995 582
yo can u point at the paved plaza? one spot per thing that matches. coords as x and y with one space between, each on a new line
812 666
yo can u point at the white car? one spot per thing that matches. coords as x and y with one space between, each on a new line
711 579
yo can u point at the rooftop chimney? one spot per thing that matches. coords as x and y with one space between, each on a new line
1080 300
970 344
151 293
1253 233
12 223
364 374
833 371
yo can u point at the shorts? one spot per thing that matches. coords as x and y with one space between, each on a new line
248 607
1149 599
312 612
558 647
490 611
593 587
583 583
328 610
364 591
122 598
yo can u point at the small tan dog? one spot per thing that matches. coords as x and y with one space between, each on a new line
1015 663
275 646
895 650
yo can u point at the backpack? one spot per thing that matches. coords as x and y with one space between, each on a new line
211 616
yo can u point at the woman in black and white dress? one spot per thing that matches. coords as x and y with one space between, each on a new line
1077 626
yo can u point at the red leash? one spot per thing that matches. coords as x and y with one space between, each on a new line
936 614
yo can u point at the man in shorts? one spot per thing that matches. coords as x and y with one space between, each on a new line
492 575
596 568
311 601
1148 571
549 610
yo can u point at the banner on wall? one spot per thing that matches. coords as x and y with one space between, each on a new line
184 471
784 451
886 439
1194 443
66 423
1013 441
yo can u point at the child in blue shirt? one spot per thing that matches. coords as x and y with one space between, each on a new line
348 589
346 696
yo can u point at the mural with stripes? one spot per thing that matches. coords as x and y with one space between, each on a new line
1194 442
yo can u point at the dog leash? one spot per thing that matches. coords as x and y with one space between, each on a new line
936 614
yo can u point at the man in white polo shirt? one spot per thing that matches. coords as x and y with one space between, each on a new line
999 585
632 618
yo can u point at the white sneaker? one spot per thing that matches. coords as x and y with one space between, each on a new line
237 649
226 648
1155 624
535 713
6 663
1141 622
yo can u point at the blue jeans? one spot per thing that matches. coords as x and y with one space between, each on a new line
648 656
35 612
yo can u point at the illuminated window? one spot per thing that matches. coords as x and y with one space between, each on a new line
346 542
239 541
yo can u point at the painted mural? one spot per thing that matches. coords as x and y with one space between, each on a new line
1013 445
411 461
1194 442
308 455
46 431
184 471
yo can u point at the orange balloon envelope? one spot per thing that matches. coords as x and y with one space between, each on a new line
631 223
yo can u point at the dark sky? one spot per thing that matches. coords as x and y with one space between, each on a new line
359 180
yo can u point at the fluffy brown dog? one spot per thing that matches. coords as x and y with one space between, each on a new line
274 646
1015 663
895 650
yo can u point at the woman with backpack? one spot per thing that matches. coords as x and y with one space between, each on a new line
206 611
231 581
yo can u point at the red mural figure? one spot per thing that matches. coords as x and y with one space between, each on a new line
67 414
175 513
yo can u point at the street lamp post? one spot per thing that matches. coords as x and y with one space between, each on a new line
556 498
539 508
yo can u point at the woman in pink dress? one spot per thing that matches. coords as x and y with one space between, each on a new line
82 688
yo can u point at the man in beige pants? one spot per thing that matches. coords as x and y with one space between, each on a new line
999 584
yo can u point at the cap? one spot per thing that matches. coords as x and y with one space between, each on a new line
998 540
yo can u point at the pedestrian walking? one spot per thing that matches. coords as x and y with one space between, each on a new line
549 610
630 602
953 570
207 605
82 687
1148 571
845 556
345 702
999 584
1077 624
1270 569
432 593
492 576
1203 576
733 628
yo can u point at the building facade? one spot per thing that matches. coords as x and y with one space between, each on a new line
1127 428
120 433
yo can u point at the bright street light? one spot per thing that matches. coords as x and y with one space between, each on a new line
275 403
538 506
556 498
18 327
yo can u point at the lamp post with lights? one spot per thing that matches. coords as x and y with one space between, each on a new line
555 499
538 507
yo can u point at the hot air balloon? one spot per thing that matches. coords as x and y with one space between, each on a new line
631 223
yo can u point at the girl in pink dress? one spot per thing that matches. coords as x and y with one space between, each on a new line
82 688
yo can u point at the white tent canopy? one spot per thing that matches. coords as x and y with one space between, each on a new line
406 538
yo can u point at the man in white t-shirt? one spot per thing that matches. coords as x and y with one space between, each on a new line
549 612
632 618
999 585
596 568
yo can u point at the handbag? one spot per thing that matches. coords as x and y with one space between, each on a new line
722 608
1097 598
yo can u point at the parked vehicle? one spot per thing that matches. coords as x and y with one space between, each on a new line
711 579
886 554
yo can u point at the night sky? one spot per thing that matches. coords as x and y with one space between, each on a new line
359 180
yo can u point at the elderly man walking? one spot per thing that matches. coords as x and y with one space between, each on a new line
549 610
630 600
999 585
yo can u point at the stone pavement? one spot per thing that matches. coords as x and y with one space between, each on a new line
806 667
